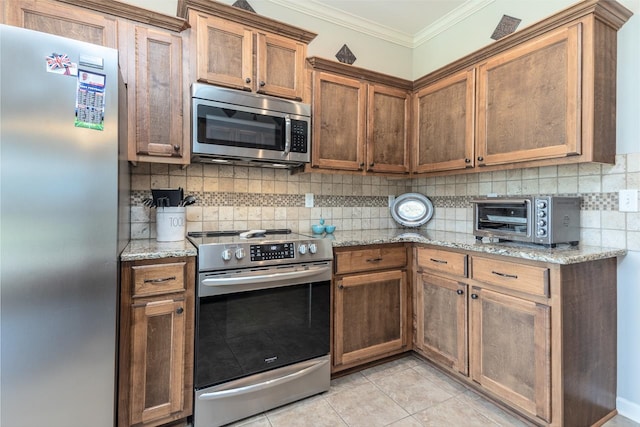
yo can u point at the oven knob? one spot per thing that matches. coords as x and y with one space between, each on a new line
542 232
542 205
302 249
240 253
542 214
313 248
542 223
226 254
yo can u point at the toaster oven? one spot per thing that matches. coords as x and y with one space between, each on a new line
546 220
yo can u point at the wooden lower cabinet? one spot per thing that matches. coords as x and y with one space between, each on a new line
510 349
156 342
370 307
541 336
441 327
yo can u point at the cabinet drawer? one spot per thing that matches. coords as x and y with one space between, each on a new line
158 278
442 261
519 277
370 259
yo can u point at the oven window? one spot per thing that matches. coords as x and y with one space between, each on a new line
221 126
508 217
250 332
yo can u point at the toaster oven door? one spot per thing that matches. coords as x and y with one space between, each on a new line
506 219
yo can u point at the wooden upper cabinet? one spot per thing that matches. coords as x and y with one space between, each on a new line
529 100
360 119
339 114
444 118
241 51
155 101
280 68
387 129
224 52
62 20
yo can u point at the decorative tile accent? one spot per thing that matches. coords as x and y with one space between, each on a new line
506 26
345 55
243 4
590 201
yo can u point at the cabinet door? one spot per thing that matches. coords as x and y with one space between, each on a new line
441 328
370 316
280 68
444 115
155 95
510 349
339 105
157 373
225 52
529 100
387 129
62 20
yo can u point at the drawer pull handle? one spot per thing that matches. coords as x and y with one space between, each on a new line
374 259
158 281
510 276
439 261
460 292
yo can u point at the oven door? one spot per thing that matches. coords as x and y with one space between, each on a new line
261 319
507 219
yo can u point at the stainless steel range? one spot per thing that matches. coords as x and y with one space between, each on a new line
263 322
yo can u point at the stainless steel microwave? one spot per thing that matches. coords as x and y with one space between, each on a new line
546 220
236 127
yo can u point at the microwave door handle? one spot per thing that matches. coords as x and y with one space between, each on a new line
287 137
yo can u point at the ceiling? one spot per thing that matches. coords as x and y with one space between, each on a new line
405 22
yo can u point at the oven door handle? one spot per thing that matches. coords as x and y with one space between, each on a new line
264 278
237 391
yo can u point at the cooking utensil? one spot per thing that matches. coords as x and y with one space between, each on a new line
148 203
173 196
189 200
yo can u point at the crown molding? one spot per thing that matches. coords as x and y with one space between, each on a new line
452 18
375 29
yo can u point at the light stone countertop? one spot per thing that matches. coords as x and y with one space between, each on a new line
152 249
563 254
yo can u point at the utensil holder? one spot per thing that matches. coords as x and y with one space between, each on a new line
171 224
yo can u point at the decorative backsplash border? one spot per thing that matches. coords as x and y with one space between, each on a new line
590 201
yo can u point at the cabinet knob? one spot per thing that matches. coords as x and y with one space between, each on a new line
262 83
340 286
474 296
179 310
176 147
467 160
247 80
371 164
480 159
361 165
460 292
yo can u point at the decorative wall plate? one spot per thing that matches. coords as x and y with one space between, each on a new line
412 209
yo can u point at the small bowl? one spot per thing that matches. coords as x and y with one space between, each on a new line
317 229
329 228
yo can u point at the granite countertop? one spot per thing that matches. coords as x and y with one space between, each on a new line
152 249
562 254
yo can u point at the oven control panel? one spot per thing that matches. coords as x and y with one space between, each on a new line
271 251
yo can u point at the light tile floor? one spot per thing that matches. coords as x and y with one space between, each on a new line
407 392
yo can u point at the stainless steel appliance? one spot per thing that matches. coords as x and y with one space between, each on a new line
262 322
235 127
546 220
60 229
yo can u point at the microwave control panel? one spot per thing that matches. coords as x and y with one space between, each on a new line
299 136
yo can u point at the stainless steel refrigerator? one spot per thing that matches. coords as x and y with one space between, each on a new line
61 176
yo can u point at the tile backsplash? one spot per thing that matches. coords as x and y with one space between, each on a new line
232 197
